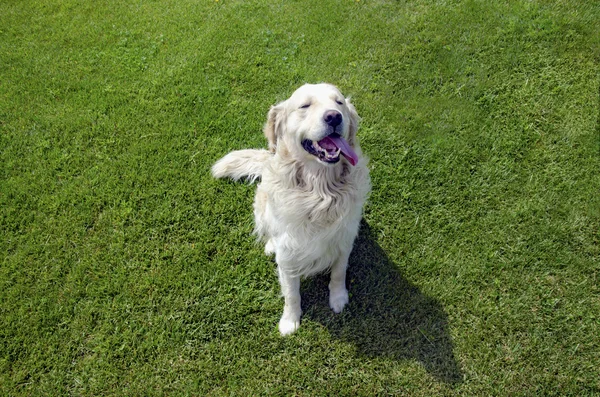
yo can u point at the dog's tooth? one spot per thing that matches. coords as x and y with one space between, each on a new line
332 155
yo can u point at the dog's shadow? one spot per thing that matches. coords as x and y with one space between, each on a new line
387 316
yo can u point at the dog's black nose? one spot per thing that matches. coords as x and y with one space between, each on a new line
333 118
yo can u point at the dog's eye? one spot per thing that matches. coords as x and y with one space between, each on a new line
305 106
339 102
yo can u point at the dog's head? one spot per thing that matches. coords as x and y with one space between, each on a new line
317 122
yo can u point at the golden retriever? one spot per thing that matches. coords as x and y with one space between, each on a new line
314 183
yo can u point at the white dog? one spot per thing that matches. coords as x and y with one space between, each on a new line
314 183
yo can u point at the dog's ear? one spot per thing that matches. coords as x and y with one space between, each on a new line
354 121
274 125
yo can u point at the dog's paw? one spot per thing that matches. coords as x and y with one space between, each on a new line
338 299
287 326
270 247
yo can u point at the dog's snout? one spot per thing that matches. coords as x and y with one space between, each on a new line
333 118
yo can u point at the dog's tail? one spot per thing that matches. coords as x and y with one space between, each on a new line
248 163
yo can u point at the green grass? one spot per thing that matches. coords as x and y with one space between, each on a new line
126 270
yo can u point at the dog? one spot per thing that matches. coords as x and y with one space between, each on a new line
314 182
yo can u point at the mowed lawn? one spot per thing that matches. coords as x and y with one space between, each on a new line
125 269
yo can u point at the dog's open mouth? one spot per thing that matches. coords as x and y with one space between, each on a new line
328 149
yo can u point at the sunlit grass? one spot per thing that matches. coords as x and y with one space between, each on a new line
127 270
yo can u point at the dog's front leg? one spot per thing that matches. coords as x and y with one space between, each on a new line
338 294
290 288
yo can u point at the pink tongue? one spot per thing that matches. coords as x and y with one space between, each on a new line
342 144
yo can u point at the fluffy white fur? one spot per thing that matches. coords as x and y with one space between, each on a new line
307 212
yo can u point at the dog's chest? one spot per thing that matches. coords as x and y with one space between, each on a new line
312 206
323 205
